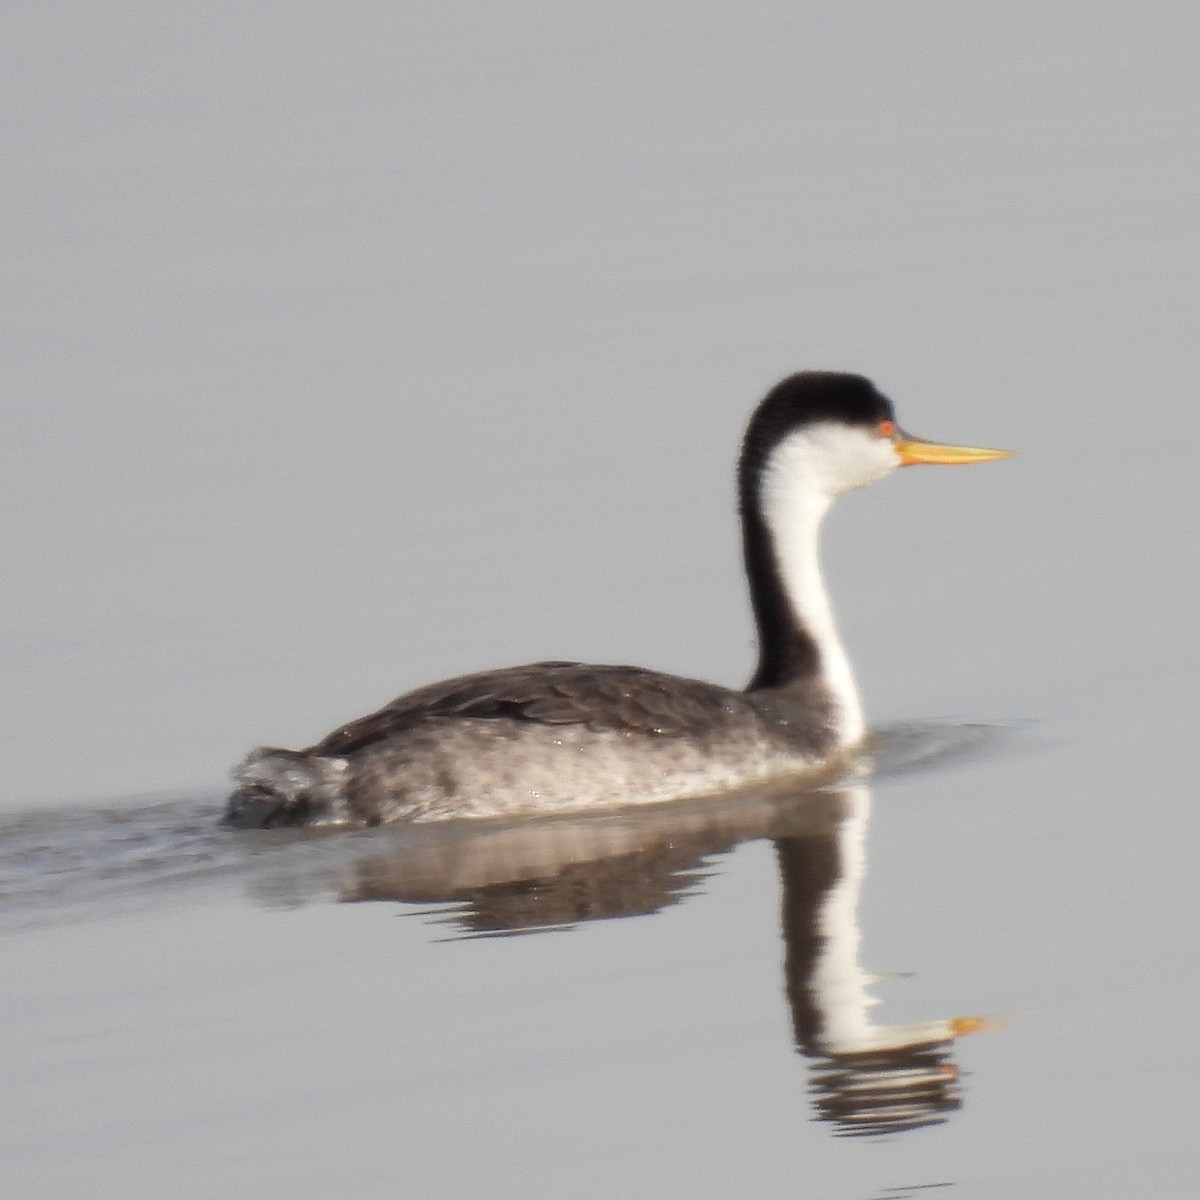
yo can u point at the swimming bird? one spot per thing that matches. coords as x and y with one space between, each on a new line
553 737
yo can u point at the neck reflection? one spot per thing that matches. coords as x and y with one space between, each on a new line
869 1078
531 876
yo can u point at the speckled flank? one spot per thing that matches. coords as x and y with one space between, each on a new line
547 737
484 768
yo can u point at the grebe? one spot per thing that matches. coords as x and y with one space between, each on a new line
555 737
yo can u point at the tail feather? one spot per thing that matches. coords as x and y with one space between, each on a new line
287 787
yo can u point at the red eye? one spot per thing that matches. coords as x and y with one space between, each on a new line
887 429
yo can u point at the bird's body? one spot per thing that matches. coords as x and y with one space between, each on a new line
548 737
559 736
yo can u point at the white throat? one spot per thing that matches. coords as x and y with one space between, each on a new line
806 470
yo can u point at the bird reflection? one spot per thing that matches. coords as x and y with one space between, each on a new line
506 879
869 1078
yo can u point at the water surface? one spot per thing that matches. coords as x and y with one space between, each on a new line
347 352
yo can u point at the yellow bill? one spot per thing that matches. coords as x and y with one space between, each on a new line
961 1026
912 450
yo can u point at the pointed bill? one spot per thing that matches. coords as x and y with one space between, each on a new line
961 1026
913 450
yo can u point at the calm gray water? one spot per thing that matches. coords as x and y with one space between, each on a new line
350 349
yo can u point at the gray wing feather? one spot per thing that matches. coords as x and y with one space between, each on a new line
630 699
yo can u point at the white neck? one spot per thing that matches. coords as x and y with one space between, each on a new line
838 982
795 493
